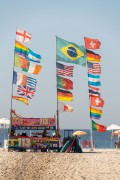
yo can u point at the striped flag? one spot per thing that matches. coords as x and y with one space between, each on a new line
31 82
94 91
94 68
64 70
32 56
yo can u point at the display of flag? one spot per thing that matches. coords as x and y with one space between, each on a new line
23 36
19 78
96 101
98 127
64 70
70 52
64 83
94 91
20 49
95 113
14 112
21 99
94 80
33 68
64 107
21 62
26 91
94 68
91 56
32 56
31 82
92 43
63 95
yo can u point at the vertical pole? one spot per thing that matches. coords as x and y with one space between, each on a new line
91 136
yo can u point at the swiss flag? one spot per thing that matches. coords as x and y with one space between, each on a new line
97 101
92 43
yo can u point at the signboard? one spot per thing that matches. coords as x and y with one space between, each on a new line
20 123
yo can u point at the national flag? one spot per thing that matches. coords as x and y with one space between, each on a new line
33 68
19 78
20 49
64 107
64 70
32 56
23 36
91 56
94 80
64 83
94 68
98 127
92 43
94 91
21 99
26 91
63 95
96 101
31 82
70 52
21 62
95 113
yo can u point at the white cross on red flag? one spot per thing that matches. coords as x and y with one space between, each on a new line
92 43
23 36
97 101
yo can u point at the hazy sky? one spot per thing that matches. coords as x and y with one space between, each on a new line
70 20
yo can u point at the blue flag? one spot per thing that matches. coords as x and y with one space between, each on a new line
32 56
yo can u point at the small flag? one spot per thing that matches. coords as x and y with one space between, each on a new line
94 80
20 49
23 36
32 56
91 56
63 95
97 101
33 68
64 70
64 107
21 99
94 68
19 78
92 43
26 91
31 82
21 62
64 83
95 113
94 91
98 127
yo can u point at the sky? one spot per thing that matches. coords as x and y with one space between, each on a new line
70 20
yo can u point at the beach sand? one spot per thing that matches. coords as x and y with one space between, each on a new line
100 164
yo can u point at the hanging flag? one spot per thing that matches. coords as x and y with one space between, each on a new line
94 68
23 36
21 62
94 80
97 101
64 70
64 83
32 56
33 68
31 82
20 49
94 91
92 43
63 95
91 56
98 127
95 113
21 99
14 112
26 91
70 52
64 107
19 78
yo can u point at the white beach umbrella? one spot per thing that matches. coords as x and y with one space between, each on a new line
113 126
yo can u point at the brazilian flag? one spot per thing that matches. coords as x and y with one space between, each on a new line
70 52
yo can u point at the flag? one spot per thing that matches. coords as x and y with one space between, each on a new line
32 56
70 52
94 68
21 62
23 36
94 91
94 80
95 113
33 68
14 112
63 95
21 99
20 49
92 43
98 127
64 83
25 91
64 70
31 82
19 78
97 101
91 56
64 107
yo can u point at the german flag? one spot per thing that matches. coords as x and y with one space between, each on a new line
63 95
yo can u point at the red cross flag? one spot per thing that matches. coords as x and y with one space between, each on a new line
23 36
92 43
97 101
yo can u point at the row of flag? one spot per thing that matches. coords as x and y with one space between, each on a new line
28 61
94 83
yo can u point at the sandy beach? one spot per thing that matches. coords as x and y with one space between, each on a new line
101 164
